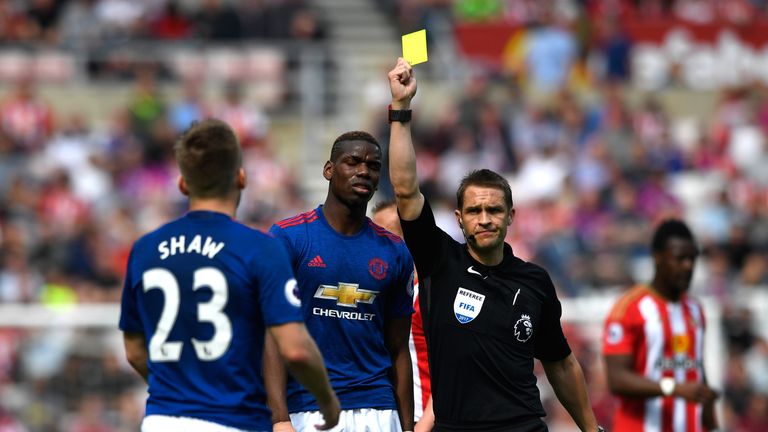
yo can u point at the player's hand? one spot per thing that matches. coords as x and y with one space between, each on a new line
402 84
423 426
695 392
330 412
284 426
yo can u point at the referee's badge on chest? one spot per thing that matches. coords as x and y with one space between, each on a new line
467 305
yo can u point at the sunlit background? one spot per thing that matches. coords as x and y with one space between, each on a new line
606 117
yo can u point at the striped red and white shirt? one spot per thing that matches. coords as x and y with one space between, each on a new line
666 340
418 346
29 121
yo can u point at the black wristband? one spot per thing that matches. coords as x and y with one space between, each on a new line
402 116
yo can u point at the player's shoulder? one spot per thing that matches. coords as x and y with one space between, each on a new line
385 235
249 234
692 301
297 222
384 239
628 301
529 269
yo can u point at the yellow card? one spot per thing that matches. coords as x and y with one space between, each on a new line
415 47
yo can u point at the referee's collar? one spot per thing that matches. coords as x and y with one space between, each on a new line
508 262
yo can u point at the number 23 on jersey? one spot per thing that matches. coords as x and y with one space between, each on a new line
162 350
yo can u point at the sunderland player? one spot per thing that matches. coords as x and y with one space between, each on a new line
198 294
355 280
653 345
385 215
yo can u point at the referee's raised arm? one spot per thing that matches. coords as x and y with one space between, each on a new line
402 157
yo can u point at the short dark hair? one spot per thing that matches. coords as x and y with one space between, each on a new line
383 205
667 229
348 137
209 157
484 178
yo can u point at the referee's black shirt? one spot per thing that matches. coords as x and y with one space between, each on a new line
484 326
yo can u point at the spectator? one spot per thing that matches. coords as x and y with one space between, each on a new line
255 18
147 105
44 16
190 107
26 118
217 21
120 19
247 119
79 25
616 47
171 24
14 26
551 53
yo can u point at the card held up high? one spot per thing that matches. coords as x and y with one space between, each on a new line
415 47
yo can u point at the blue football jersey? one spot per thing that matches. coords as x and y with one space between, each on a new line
349 286
202 289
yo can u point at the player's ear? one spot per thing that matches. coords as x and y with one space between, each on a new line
183 186
457 213
511 215
328 170
658 259
241 178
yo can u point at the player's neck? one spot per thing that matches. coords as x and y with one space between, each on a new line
228 207
666 294
346 220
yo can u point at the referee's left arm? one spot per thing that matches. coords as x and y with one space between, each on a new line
567 379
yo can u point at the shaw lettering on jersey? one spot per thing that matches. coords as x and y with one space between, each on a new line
179 245
333 313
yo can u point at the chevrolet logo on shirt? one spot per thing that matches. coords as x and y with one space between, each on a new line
346 294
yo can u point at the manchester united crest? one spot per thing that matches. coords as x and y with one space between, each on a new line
377 268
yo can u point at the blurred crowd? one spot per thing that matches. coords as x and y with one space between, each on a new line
527 12
107 39
84 24
593 166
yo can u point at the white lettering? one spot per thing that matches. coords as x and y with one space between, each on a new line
194 245
211 248
163 249
727 61
354 316
177 245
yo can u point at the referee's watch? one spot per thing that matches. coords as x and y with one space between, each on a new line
402 116
600 428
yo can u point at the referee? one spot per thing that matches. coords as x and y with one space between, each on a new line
487 312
